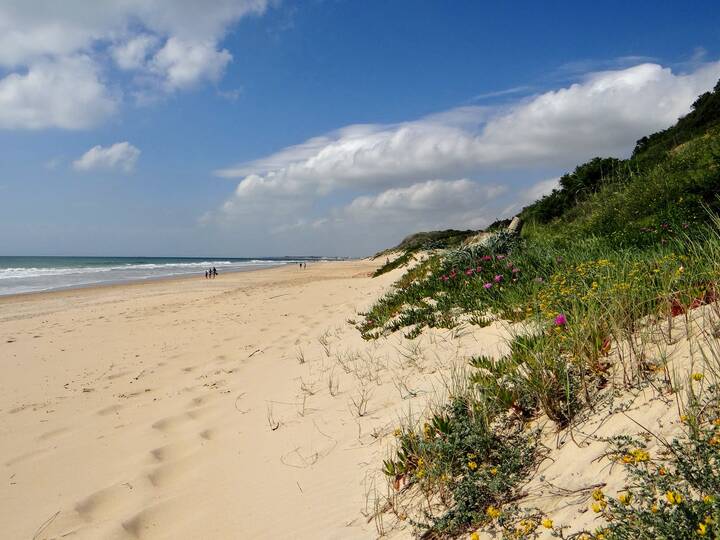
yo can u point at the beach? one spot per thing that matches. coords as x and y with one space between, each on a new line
242 407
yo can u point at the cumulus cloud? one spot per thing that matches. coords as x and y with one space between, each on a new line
603 114
169 44
396 174
183 63
429 203
120 156
67 93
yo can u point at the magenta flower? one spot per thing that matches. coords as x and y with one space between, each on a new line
487 258
515 270
560 320
469 272
500 257
444 278
478 269
487 285
498 278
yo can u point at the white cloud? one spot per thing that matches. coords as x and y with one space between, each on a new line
430 203
603 114
133 53
168 44
182 64
390 172
67 93
120 156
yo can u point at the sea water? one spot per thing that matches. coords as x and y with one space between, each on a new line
34 274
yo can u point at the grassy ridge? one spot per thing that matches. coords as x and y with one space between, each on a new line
620 245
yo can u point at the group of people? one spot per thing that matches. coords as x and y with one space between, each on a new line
211 273
302 264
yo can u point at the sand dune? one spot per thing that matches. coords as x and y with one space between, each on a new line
244 407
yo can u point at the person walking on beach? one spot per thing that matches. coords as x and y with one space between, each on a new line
206 274
214 272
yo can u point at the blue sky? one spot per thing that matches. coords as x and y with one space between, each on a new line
251 127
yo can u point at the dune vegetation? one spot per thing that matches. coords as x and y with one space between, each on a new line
620 248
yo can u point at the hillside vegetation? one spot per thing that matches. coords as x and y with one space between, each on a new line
621 246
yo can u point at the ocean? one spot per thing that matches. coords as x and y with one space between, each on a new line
34 274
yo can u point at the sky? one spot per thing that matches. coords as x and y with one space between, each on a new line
248 128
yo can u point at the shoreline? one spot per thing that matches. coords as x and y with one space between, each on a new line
183 408
9 298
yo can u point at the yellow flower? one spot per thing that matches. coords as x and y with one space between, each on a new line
474 536
472 465
708 499
684 418
639 455
625 498
702 529
492 512
674 497
654 509
471 456
598 495
547 523
397 432
662 471
493 471
598 506
697 376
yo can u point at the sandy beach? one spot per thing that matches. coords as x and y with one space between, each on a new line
242 407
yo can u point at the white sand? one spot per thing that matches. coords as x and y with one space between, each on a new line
144 411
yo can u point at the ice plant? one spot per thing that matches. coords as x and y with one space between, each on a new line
560 320
498 278
487 285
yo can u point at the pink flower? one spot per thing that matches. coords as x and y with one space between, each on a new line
444 278
487 285
515 270
498 278
560 320
500 257
469 272
478 269
487 258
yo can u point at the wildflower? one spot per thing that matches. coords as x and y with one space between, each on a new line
639 455
625 498
526 526
662 471
478 269
547 523
493 471
487 258
500 257
708 499
493 512
515 270
673 497
472 456
598 506
474 536
702 529
472 465
598 495
498 278
697 376
469 272
560 320
397 432
684 418
654 508
487 285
